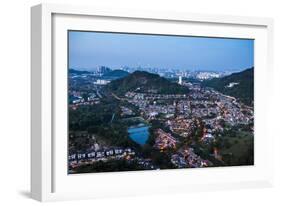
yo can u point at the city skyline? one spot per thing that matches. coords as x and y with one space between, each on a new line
89 50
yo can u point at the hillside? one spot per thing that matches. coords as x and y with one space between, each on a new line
239 85
77 72
145 82
115 74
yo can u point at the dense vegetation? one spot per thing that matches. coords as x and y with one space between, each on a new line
110 166
144 81
102 120
78 72
236 147
244 90
115 74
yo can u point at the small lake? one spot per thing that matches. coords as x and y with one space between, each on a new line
139 133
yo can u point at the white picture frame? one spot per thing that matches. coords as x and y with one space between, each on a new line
49 179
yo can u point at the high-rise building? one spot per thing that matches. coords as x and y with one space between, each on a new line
180 80
103 70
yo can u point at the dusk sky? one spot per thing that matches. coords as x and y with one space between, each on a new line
89 50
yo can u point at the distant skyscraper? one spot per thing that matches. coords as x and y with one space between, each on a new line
180 80
103 70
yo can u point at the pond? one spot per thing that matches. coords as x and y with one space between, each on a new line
139 133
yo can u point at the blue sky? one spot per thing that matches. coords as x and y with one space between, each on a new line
92 49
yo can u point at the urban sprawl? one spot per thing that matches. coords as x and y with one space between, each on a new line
198 129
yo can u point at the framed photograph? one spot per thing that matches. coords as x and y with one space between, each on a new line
137 102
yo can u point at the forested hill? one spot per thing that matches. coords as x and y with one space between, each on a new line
116 74
145 82
78 72
239 85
